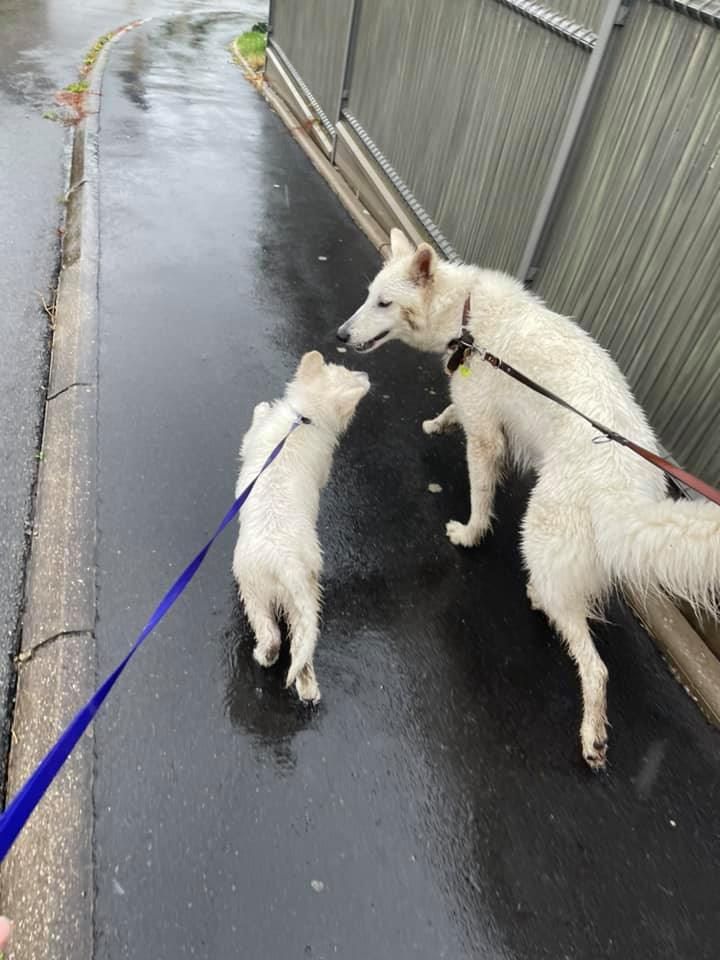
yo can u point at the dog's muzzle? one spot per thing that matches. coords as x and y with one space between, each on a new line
345 332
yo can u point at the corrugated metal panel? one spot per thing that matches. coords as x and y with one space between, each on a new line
312 33
467 102
634 250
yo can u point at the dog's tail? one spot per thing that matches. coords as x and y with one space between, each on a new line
667 545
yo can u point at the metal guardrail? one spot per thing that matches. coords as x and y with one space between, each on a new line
402 188
555 22
706 11
304 89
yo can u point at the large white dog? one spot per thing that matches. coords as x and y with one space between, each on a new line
598 516
278 559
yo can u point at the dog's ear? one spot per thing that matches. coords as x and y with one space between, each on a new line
260 412
310 365
400 246
423 263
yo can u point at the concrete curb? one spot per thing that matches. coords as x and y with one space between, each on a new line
47 881
691 659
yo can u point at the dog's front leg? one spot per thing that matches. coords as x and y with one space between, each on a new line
443 421
485 451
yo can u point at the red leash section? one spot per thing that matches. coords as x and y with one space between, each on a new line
464 345
695 483
683 476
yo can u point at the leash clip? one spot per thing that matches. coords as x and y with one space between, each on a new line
299 417
462 347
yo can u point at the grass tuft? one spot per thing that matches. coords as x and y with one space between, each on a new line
251 46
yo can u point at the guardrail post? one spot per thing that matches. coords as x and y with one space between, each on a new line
344 91
613 15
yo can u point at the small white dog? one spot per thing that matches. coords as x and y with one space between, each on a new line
278 559
598 516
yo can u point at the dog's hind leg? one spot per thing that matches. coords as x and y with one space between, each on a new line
303 611
566 581
573 628
443 422
260 611
485 452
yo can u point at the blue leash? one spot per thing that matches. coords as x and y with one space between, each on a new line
31 793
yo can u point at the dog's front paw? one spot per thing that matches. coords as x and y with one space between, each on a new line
431 426
462 534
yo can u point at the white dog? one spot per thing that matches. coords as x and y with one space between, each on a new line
598 516
278 559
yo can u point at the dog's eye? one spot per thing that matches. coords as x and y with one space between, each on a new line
384 303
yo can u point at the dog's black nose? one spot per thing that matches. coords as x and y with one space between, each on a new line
343 335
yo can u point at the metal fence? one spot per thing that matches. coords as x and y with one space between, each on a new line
555 144
451 106
634 250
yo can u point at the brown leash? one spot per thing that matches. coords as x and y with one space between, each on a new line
463 346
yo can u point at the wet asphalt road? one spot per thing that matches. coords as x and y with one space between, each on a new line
435 804
31 170
42 43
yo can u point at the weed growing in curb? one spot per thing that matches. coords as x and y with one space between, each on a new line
251 47
92 54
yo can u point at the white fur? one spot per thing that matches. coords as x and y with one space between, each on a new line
598 515
278 559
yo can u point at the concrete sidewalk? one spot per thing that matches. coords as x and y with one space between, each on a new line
436 804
